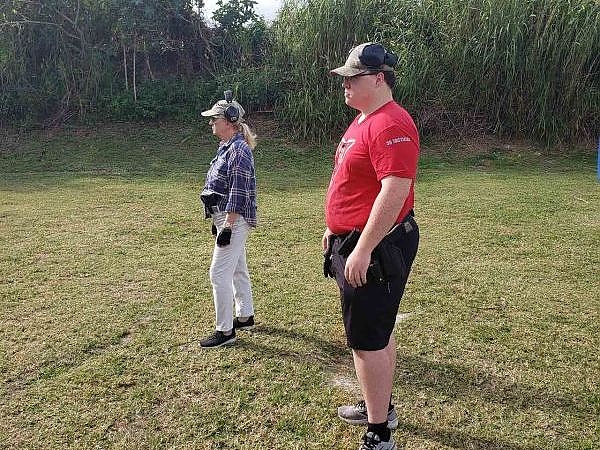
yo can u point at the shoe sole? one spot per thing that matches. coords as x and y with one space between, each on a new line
392 425
246 328
229 342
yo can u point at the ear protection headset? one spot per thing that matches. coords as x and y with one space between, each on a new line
231 113
375 55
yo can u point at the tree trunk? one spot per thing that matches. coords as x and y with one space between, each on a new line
147 55
134 74
125 67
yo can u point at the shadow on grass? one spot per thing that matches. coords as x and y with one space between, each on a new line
450 379
457 381
456 439
314 348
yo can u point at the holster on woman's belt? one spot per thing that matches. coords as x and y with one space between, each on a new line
210 199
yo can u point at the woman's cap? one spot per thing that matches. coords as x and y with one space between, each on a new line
219 109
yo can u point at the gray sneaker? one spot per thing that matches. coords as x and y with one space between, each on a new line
371 441
357 415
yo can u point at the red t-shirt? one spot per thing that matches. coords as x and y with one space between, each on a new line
385 143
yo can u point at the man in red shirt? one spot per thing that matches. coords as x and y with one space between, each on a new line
371 237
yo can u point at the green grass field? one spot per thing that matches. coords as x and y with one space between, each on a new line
104 294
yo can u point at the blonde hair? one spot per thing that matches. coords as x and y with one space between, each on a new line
249 136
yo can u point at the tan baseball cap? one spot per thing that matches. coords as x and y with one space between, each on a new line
219 108
367 57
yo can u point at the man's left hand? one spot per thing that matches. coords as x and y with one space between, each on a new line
357 265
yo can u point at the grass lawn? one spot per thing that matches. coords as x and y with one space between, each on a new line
104 294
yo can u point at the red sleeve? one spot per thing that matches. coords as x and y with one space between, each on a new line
394 152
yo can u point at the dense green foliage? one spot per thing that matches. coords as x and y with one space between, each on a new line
520 67
61 59
117 59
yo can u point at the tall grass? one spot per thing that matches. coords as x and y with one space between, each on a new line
522 67
309 39
532 65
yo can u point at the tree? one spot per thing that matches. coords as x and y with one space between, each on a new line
232 15
240 34
153 27
62 58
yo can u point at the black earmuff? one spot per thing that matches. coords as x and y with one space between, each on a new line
390 59
375 55
231 113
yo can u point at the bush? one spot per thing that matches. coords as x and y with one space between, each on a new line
156 99
256 89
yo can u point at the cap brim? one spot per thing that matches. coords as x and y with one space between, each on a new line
346 71
210 113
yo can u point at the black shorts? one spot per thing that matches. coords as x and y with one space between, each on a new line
369 312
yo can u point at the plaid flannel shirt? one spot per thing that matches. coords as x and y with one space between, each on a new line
231 174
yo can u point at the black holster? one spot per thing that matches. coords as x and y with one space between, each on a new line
347 244
387 261
327 259
390 260
210 199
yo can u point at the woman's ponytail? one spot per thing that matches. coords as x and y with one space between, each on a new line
249 136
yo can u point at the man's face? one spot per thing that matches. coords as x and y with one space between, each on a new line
359 89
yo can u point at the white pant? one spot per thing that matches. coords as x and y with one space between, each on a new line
229 275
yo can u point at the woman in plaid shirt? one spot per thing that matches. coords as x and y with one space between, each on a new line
229 197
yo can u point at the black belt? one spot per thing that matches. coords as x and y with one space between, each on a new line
407 225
